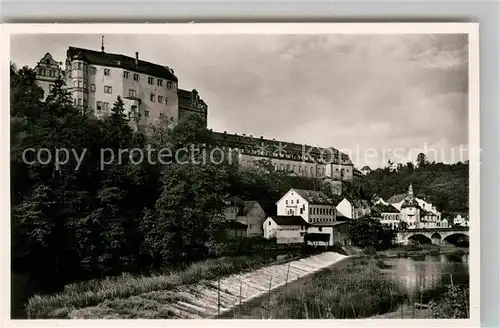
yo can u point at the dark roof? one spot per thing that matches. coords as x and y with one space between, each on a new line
381 208
332 224
293 151
314 197
121 61
289 220
396 198
247 207
316 236
342 218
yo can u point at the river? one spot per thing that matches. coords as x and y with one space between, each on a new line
424 276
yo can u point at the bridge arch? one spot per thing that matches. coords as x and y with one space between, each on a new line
436 238
419 238
457 238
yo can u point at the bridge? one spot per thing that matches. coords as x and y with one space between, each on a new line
436 236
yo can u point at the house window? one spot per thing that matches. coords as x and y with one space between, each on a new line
105 105
93 70
159 82
92 87
79 101
125 74
107 89
107 72
51 87
269 223
151 80
136 77
160 98
79 84
169 85
84 85
166 100
131 93
146 113
286 202
152 97
79 65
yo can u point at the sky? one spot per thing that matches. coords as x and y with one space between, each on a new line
374 97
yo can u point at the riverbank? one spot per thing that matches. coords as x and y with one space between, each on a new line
418 250
169 296
94 292
352 288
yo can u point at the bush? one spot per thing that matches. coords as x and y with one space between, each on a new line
452 305
358 291
370 250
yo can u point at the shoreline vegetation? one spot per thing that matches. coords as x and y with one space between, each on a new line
354 288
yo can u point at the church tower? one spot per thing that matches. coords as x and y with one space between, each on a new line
410 210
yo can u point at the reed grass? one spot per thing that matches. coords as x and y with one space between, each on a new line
357 291
88 294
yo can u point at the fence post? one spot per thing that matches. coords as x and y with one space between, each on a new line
269 294
218 297
241 287
284 290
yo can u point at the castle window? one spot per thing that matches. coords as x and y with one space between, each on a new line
152 97
159 82
160 98
131 93
79 65
79 84
136 77
151 80
146 113
79 101
107 71
92 87
84 85
125 74
169 85
51 87
93 70
108 89
166 100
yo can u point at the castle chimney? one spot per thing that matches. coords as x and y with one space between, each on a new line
136 58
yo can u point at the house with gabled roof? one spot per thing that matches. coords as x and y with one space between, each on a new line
312 205
248 213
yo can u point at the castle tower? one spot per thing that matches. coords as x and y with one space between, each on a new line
410 210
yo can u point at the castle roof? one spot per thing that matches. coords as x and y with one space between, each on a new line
289 149
102 58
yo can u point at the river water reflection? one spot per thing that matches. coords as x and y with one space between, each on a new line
429 272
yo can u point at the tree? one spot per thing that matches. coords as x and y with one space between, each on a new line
370 232
422 160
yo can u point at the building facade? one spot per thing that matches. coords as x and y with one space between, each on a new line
312 206
150 92
249 213
95 80
190 103
299 160
288 229
47 72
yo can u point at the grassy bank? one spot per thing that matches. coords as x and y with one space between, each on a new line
127 292
356 290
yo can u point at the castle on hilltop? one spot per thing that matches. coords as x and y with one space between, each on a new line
150 92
